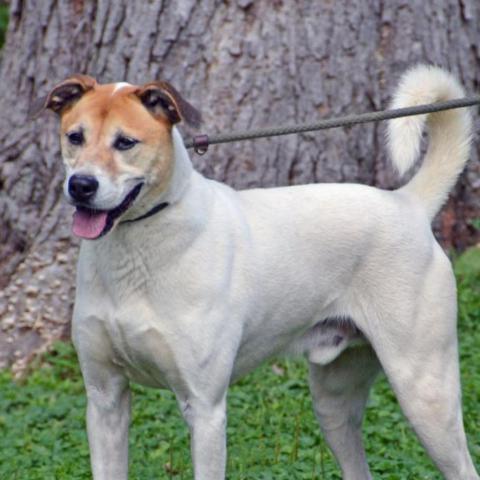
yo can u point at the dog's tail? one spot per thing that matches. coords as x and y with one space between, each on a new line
449 131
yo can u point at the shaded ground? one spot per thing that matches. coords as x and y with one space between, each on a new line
36 304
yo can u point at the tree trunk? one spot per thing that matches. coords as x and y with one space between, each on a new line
244 64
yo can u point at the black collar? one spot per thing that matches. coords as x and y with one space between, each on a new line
151 212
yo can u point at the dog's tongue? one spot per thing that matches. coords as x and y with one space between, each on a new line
88 224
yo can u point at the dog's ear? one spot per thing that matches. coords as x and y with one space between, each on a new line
63 95
162 99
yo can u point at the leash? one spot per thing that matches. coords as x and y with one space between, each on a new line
200 143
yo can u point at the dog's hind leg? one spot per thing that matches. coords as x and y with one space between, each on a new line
416 344
340 390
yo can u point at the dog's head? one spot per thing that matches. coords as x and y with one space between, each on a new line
116 142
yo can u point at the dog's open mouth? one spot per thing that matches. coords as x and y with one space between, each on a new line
91 224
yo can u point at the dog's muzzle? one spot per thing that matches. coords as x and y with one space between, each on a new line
90 223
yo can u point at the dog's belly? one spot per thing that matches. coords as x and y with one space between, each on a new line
149 358
320 344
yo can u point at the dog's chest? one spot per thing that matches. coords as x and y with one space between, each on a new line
115 312
140 346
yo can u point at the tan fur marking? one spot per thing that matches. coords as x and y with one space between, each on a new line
102 116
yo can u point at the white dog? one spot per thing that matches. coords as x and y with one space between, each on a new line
189 284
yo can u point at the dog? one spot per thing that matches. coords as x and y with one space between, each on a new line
184 283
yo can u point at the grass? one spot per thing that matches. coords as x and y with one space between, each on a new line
3 23
272 431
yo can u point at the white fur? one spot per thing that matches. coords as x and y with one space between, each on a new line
119 86
204 291
450 133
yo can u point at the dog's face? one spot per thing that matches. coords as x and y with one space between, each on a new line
116 142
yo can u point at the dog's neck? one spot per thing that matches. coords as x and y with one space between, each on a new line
182 169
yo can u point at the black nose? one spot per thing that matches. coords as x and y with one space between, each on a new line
82 188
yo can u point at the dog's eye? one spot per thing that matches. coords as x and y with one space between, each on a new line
75 138
124 143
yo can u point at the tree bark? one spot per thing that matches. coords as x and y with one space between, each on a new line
244 64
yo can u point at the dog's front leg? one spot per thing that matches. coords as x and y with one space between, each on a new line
207 423
108 417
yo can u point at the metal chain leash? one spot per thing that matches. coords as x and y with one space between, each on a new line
200 143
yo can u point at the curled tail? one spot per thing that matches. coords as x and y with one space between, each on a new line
449 132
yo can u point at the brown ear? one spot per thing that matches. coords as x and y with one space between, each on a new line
161 98
64 95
